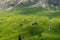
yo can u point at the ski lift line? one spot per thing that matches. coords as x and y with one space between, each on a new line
20 1
3 2
15 5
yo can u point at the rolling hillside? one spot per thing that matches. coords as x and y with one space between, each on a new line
30 23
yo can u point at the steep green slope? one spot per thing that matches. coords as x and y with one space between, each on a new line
30 23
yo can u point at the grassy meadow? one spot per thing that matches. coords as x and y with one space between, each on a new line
30 23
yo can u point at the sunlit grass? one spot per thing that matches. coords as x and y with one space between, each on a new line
10 24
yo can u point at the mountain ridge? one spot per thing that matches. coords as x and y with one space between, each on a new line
47 4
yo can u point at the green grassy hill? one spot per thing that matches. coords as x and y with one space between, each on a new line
30 23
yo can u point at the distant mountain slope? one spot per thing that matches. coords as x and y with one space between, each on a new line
47 4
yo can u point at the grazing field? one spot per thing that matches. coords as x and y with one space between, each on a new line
30 23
